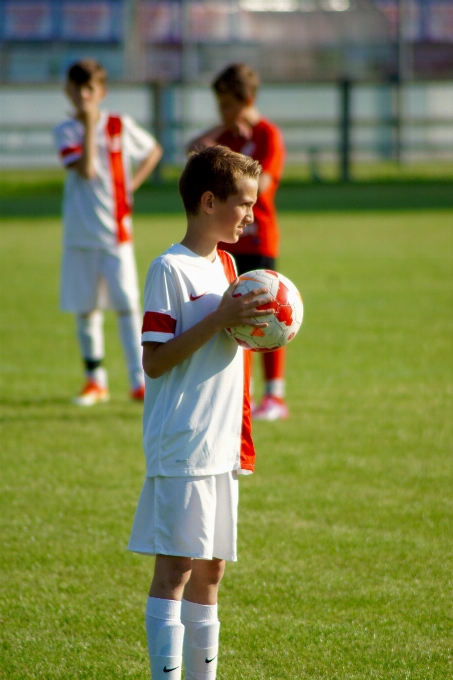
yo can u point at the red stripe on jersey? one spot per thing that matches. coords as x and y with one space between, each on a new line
228 265
69 150
158 323
122 208
248 454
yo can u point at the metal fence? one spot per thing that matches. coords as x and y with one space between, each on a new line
319 121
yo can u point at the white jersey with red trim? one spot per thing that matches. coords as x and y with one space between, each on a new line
196 418
97 212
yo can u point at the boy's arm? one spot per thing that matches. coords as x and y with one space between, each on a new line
206 139
158 358
146 167
84 165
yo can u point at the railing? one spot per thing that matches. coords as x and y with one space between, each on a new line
348 129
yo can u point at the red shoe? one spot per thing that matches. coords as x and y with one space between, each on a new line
271 408
138 394
91 394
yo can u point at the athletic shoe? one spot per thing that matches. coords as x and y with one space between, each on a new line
271 408
91 394
138 393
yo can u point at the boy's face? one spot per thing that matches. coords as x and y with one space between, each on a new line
86 96
230 109
232 216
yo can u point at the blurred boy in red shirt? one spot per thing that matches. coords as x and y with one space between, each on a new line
245 131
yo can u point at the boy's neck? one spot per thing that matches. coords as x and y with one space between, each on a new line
199 244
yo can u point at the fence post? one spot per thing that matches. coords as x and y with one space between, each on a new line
157 111
345 130
397 114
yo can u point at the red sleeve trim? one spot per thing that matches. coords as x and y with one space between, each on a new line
70 150
158 323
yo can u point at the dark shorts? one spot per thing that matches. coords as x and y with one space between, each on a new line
247 263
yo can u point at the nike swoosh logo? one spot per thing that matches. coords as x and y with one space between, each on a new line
209 660
196 297
169 670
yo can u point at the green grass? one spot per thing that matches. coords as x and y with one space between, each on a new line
376 186
345 558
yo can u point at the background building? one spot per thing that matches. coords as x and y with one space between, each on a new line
143 40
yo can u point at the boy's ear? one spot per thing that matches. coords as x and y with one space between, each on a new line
207 201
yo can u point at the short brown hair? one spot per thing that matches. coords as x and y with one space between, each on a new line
86 69
240 80
216 169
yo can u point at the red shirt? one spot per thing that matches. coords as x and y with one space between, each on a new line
267 147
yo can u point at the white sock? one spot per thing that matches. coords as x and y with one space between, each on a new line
275 388
99 376
130 334
201 640
90 334
165 634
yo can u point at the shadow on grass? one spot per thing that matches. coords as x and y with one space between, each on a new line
292 197
60 408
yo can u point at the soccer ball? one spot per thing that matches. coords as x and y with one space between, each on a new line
287 310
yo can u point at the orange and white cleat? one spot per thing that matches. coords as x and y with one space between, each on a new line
271 408
91 394
138 394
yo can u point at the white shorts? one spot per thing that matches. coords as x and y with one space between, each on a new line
92 278
187 517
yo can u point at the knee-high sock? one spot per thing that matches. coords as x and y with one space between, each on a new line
90 334
201 640
274 370
130 334
165 634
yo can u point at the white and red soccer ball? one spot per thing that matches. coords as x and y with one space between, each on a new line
286 305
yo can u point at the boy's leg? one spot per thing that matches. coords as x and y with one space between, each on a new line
199 616
90 335
130 323
273 406
120 272
164 630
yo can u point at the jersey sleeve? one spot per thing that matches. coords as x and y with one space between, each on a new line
69 143
138 142
161 304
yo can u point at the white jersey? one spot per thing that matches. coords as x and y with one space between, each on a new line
196 418
97 212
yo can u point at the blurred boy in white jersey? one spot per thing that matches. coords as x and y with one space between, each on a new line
98 269
196 420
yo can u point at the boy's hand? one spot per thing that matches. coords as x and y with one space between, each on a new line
88 112
242 128
241 310
160 357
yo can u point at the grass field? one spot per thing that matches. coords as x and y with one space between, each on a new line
345 538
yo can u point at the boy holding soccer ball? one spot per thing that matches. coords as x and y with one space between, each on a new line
244 130
196 420
97 149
